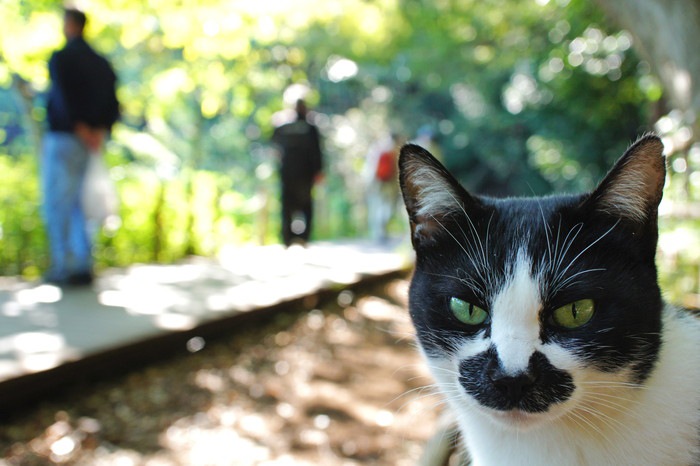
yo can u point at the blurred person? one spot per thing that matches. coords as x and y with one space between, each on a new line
301 165
82 107
381 167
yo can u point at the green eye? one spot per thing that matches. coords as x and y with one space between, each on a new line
467 312
575 314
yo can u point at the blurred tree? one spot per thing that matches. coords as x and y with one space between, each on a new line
664 32
523 97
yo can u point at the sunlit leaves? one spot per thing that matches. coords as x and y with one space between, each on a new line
26 42
507 86
170 82
139 29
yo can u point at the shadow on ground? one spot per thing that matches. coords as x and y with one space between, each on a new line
333 383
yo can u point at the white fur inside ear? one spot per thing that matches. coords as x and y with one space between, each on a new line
634 188
434 194
630 195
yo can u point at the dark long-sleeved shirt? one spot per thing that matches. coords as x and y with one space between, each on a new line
82 88
301 151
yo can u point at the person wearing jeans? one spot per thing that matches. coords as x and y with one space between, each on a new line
64 164
82 107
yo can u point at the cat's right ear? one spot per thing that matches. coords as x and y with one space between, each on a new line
632 190
431 194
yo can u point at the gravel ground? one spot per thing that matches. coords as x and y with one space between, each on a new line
337 383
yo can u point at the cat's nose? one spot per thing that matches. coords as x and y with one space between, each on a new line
512 386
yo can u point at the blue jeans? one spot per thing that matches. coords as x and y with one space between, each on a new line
63 170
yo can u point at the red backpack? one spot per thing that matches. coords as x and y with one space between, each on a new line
386 166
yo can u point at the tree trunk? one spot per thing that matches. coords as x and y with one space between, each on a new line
194 162
158 244
665 34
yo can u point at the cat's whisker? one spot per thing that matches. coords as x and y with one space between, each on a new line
414 368
475 286
610 396
589 424
605 330
606 420
401 335
488 235
568 282
441 393
569 416
434 391
598 399
568 241
406 337
390 331
474 251
584 250
613 384
546 231
461 246
482 252
424 408
557 253
444 370
591 402
439 340
609 421
475 232
621 388
470 256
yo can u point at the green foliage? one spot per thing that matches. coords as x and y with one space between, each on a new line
523 97
24 248
679 261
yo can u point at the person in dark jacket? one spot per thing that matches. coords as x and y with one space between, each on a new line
82 107
300 168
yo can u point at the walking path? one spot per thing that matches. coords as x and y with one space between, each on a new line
48 333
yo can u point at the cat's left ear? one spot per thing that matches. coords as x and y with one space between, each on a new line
633 189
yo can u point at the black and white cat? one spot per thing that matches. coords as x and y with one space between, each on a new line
543 324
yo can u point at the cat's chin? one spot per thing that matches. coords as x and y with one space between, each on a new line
517 419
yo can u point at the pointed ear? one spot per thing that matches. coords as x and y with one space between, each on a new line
430 192
633 188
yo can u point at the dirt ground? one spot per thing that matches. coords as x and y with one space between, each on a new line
337 383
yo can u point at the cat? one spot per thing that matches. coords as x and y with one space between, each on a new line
542 322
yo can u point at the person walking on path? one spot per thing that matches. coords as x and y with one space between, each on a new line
82 107
382 189
300 168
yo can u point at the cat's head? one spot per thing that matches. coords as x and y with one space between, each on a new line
525 307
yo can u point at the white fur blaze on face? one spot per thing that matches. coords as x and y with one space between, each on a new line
515 325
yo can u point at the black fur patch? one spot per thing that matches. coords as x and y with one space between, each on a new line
545 385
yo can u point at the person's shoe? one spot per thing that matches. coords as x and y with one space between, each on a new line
80 279
298 241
